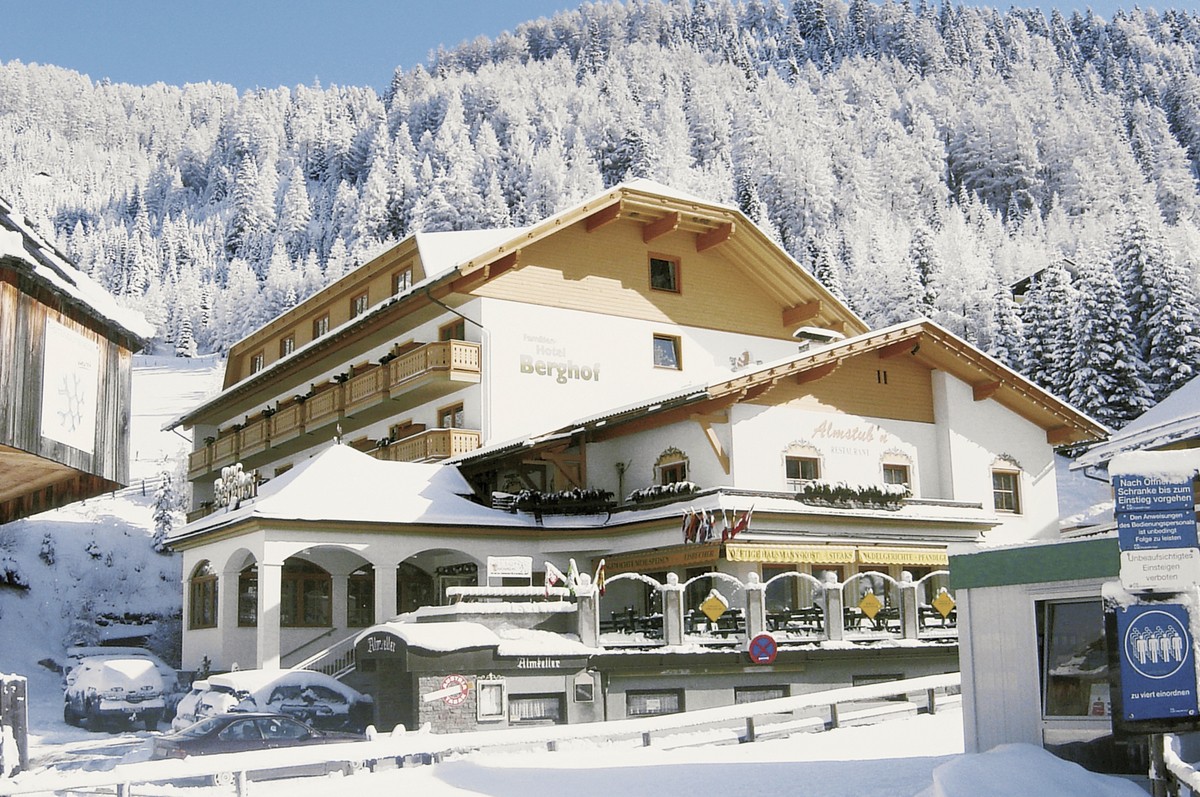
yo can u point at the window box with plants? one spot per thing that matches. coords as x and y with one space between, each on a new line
843 495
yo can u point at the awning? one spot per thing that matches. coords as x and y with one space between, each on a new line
659 559
925 557
790 554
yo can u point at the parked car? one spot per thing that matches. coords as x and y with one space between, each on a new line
321 701
238 732
103 690
186 708
172 690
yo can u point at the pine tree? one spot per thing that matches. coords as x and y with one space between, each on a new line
166 504
1008 333
1107 378
1046 315
1173 328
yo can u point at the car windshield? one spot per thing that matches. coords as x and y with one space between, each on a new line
202 728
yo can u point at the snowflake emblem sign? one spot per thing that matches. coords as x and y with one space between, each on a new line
71 413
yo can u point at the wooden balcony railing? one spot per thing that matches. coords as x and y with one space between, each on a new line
430 446
426 371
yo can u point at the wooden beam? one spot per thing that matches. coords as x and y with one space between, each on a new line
717 235
502 265
984 390
906 346
796 316
603 216
820 372
1058 435
706 422
569 465
657 229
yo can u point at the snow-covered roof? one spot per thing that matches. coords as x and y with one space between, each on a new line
20 241
466 635
345 484
1175 418
442 252
1165 465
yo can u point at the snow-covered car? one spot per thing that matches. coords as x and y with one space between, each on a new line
103 690
172 690
319 700
185 709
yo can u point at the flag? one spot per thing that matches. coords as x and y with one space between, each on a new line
704 532
726 528
599 579
553 576
687 521
743 523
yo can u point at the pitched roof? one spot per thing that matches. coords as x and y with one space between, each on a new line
1174 419
22 246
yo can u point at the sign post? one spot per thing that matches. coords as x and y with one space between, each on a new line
1156 526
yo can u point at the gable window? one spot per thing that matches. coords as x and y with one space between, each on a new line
1006 490
666 352
451 417
202 596
671 466
456 330
358 305
801 469
664 274
287 345
895 473
257 361
402 280
320 326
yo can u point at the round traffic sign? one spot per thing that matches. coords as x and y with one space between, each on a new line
762 649
459 697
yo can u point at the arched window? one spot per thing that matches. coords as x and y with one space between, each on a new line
306 595
202 596
248 597
414 588
360 597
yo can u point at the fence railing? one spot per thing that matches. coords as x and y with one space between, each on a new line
400 746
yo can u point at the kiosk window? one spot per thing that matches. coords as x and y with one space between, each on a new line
1073 659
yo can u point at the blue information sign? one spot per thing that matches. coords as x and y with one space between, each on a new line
1142 531
1136 493
1158 672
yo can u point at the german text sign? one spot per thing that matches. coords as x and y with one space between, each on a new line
1160 570
1158 672
1142 493
1140 531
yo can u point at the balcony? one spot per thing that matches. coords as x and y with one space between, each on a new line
376 392
431 445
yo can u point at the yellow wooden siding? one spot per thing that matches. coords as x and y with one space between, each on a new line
856 388
607 271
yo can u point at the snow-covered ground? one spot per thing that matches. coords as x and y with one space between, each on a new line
920 755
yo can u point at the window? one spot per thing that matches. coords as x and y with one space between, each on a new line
451 417
454 331
671 466
801 469
1006 490
650 702
287 345
360 597
202 597
1073 659
257 361
358 305
895 474
402 280
489 696
666 352
320 326
248 597
544 709
753 694
664 274
305 595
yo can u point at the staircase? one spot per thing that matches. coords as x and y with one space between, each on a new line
336 660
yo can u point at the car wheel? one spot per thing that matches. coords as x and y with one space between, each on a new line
69 715
222 779
94 721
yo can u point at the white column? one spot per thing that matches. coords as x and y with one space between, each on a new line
227 618
385 592
270 583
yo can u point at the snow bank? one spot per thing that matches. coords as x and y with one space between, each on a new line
1023 769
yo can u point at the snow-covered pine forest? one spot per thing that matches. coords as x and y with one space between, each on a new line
920 160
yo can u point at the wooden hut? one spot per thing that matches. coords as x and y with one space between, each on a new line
66 351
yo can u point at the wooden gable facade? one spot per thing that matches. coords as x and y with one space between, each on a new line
65 370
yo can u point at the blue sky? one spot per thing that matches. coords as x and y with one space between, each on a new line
269 43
